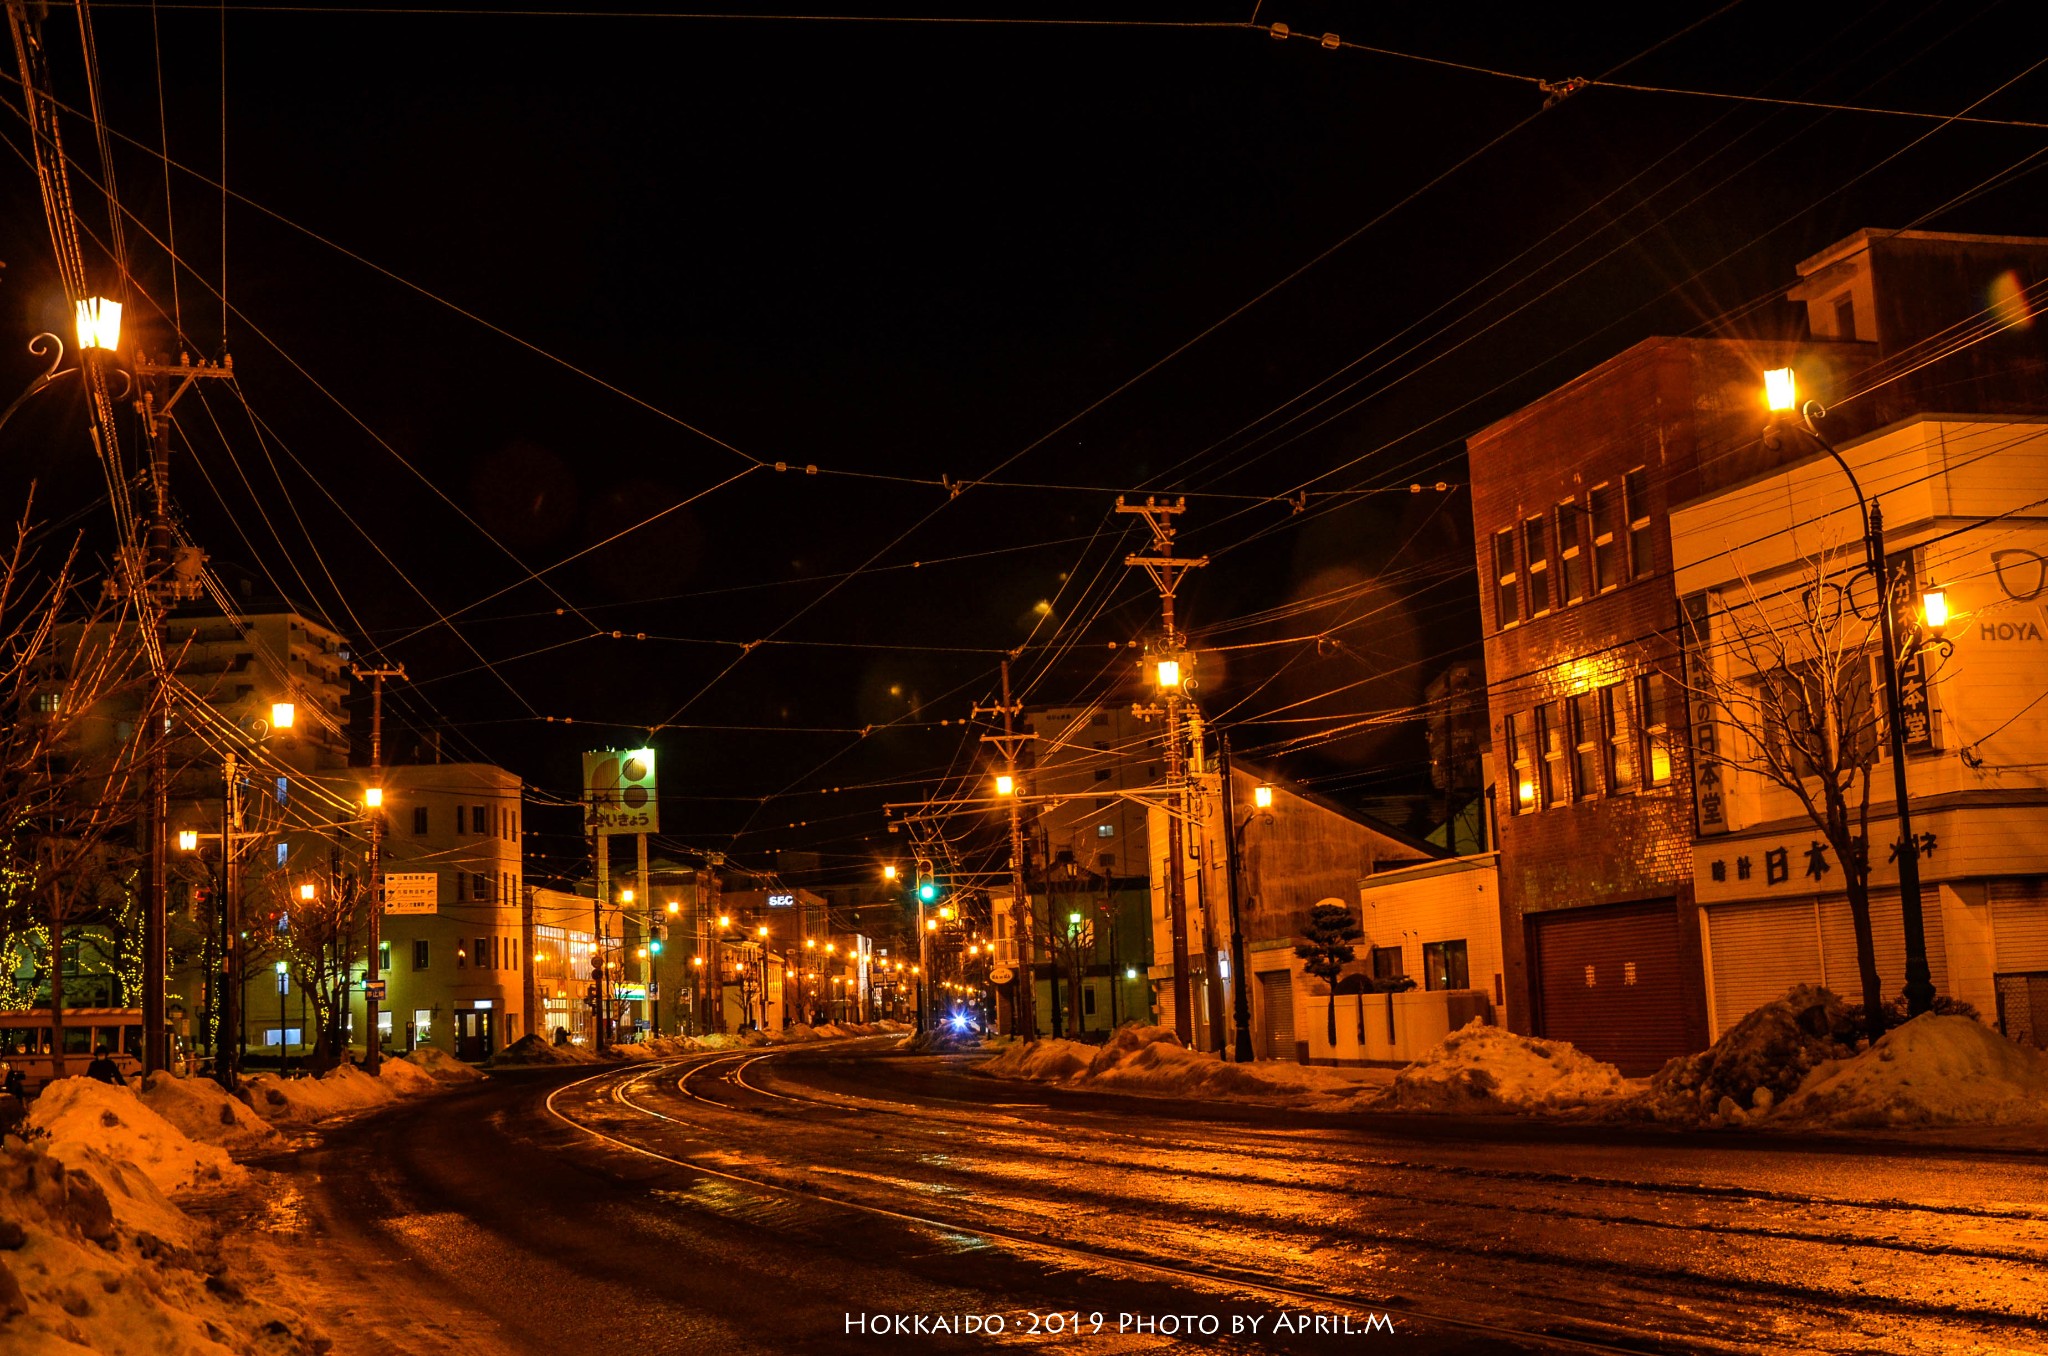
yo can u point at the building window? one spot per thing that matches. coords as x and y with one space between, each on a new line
1520 751
1653 702
1105 830
480 886
1386 962
1536 551
476 820
49 703
1606 523
1621 740
1102 774
421 954
1571 566
461 886
1845 317
1636 490
283 853
1585 734
483 953
458 819
461 955
1793 699
289 1035
284 790
1507 608
1550 744
383 956
1444 965
419 821
422 1023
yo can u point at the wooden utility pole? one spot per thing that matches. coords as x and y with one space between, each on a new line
373 969
1165 570
1021 916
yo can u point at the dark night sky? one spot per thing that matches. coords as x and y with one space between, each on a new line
911 250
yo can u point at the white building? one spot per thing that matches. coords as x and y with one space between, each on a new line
1969 500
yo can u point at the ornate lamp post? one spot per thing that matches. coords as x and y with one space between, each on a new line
1781 396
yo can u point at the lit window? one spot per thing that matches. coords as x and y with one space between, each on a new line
1585 734
1606 523
1550 743
1653 701
1519 751
283 851
284 790
1621 740
1105 830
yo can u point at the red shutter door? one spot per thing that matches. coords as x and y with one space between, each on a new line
1607 980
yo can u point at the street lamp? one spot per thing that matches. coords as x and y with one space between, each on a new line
1006 785
306 891
888 873
99 324
1167 673
283 715
373 798
1781 396
188 840
1262 796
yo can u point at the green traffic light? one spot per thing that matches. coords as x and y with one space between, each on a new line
654 947
928 892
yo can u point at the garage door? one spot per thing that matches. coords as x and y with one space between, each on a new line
1758 951
1276 987
1608 981
2019 923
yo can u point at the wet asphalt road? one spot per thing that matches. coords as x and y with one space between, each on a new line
752 1202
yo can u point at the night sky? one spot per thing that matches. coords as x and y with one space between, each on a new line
691 248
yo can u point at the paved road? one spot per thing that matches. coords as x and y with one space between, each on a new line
752 1202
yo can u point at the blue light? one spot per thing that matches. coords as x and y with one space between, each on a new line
928 892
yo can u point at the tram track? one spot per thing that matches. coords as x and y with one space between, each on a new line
701 1084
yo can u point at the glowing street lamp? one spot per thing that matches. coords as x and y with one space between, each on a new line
373 797
1006 785
626 895
889 872
675 906
1262 795
188 840
1781 392
1168 673
1934 610
283 715
306 891
99 324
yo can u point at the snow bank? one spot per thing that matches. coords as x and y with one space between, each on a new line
406 1078
82 1114
444 1066
204 1112
1151 1060
1930 1072
1489 1069
74 1277
533 1049
1759 1061
298 1101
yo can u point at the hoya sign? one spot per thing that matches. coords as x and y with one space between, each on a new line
618 792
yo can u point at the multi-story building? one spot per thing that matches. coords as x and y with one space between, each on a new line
1572 498
1964 509
1083 757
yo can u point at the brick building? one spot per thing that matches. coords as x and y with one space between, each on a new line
1593 785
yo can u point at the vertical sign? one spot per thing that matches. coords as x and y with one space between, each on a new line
1709 775
618 792
1916 717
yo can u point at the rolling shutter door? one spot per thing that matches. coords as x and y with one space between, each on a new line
1608 981
1276 987
1888 940
2019 925
1758 952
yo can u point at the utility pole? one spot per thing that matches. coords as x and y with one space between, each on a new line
646 936
601 846
230 910
1165 570
1240 982
373 969
1021 917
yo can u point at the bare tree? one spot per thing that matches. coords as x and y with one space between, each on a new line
321 940
68 772
1799 708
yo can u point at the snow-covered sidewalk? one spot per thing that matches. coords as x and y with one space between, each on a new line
532 1050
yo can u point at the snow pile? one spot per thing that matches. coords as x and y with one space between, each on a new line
75 1277
1758 1062
796 1033
1481 1068
203 1111
82 1117
299 1101
443 1066
1932 1071
1048 1060
533 1050
405 1078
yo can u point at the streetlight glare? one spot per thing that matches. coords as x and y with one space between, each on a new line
188 840
1781 392
1005 784
1262 796
374 797
306 890
1169 673
675 906
888 873
99 324
283 715
1934 610
626 895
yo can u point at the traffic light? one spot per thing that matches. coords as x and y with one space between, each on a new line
656 936
927 887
